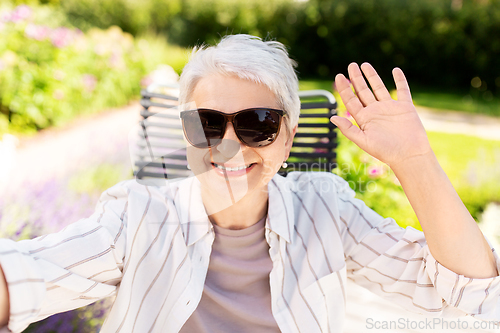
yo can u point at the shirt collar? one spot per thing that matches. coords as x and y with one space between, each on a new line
192 214
196 224
280 214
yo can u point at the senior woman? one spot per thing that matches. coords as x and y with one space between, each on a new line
240 249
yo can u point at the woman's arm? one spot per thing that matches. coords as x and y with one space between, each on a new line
453 236
392 132
4 300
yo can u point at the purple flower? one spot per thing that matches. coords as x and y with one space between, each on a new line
375 171
89 82
62 37
59 75
37 32
51 207
5 17
20 13
146 81
322 150
116 59
58 94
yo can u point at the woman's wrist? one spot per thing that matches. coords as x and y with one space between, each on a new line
417 166
453 237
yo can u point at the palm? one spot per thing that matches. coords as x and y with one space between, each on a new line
389 130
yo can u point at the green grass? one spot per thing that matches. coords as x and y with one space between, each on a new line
472 101
98 178
472 165
315 84
456 152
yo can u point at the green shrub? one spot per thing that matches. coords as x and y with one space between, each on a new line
135 17
374 183
437 42
50 73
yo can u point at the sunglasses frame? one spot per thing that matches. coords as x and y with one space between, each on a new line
229 117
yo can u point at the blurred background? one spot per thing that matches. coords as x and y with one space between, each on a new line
71 73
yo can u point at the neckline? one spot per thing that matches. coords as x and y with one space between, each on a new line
259 225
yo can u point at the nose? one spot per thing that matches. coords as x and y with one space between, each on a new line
230 144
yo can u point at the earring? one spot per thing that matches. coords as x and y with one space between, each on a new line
284 165
189 167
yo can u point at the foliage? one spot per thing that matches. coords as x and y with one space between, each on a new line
472 100
136 17
470 163
50 73
452 99
374 183
445 43
97 179
44 208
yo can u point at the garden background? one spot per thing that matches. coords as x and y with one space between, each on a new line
63 62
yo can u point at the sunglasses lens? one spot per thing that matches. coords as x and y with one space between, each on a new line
257 127
254 127
203 129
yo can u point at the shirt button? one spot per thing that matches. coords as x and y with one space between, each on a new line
188 302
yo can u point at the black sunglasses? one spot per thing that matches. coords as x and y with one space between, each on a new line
256 127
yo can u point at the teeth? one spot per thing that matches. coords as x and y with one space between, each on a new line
232 169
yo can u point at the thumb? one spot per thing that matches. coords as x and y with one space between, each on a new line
351 131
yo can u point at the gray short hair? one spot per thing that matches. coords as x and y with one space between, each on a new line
249 58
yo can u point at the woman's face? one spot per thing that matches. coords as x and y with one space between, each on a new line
256 166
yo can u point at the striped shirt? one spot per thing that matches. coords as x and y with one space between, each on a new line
150 248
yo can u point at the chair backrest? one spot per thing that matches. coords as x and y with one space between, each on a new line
161 150
315 142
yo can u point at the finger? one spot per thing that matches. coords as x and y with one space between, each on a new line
351 102
358 81
351 131
401 85
378 86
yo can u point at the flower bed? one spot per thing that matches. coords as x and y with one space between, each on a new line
37 209
50 72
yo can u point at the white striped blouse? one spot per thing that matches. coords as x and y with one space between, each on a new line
150 247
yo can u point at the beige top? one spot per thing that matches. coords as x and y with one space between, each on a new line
236 296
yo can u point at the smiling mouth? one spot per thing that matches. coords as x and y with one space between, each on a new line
222 167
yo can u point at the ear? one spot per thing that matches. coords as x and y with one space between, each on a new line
289 142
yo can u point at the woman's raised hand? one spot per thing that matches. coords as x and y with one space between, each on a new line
389 130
